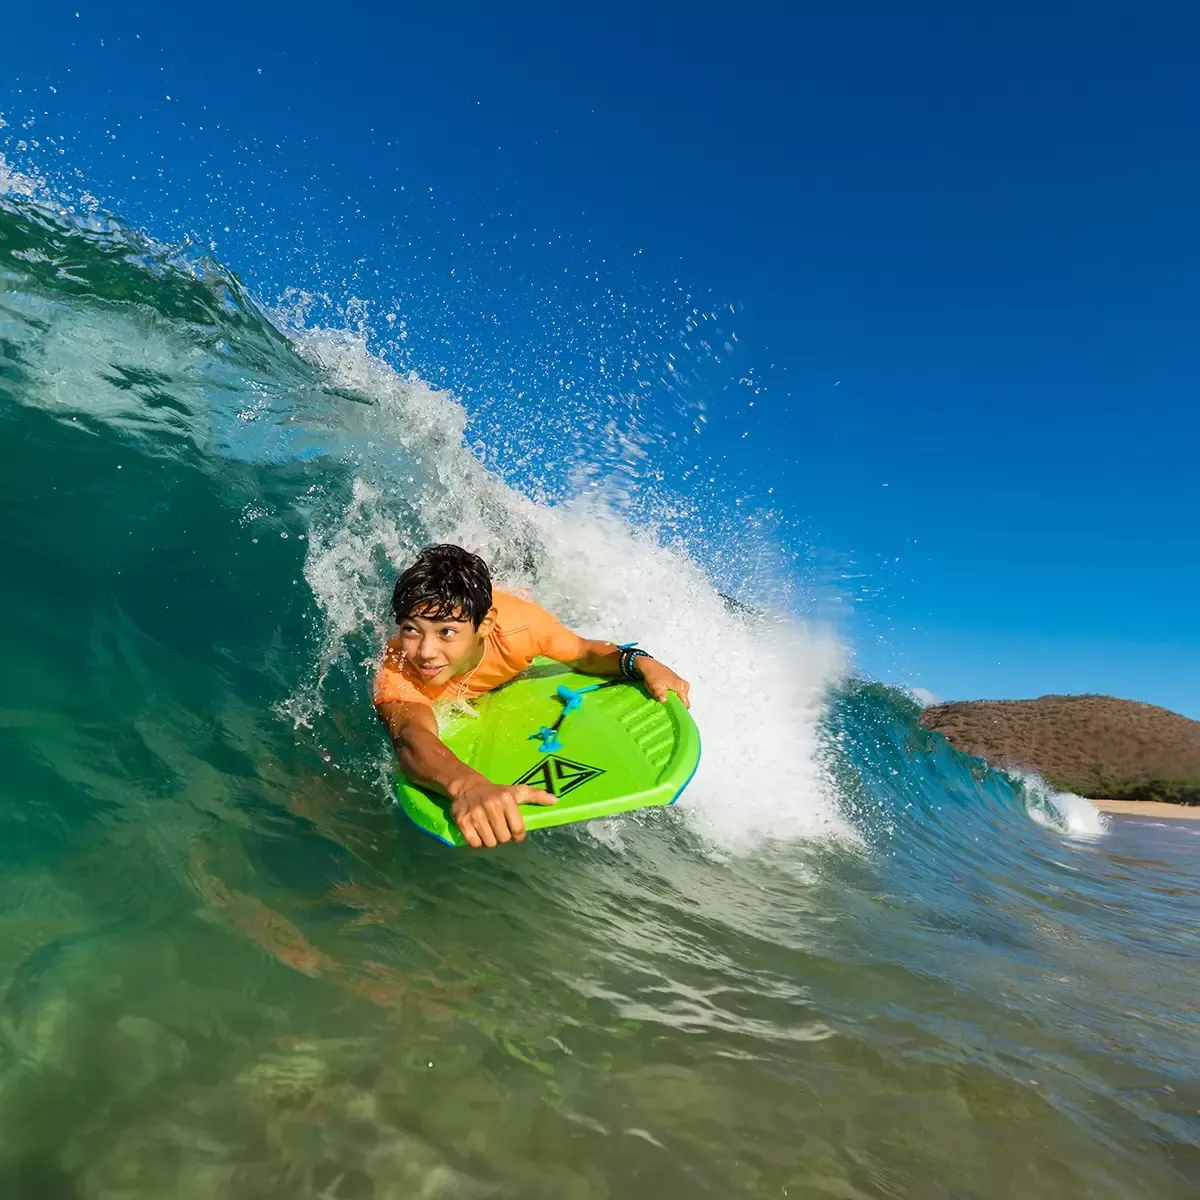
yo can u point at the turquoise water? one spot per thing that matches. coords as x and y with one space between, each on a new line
851 963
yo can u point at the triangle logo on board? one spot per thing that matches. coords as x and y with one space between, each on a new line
558 776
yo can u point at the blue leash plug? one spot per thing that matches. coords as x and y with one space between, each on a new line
549 739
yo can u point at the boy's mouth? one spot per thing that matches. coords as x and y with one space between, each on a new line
429 672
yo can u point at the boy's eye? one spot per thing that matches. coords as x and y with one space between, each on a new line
449 633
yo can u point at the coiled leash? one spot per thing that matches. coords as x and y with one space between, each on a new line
572 698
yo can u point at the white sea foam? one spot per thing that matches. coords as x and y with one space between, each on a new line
759 681
1063 812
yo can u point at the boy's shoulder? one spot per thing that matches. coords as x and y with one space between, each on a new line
514 614
524 629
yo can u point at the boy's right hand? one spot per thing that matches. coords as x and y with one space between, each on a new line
486 813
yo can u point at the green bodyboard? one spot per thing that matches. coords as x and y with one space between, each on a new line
620 750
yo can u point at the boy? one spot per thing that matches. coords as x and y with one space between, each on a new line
458 639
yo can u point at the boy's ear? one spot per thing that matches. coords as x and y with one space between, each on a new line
488 623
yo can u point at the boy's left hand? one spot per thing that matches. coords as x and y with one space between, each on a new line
660 679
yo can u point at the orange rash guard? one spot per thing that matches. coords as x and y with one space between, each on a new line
523 632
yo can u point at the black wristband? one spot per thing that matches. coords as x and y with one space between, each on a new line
627 661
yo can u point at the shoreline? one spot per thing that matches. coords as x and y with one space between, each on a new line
1150 808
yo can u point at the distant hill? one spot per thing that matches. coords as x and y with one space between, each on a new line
1094 746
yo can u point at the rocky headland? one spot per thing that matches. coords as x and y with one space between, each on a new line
1095 746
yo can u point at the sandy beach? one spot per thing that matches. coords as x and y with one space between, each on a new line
1150 808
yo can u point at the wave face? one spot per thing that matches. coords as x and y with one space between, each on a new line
852 963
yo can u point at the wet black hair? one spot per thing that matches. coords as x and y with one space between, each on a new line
445 583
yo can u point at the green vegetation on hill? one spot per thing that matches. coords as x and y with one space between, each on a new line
1168 791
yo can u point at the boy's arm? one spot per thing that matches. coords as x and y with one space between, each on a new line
604 658
485 812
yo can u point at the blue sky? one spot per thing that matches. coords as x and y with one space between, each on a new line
960 247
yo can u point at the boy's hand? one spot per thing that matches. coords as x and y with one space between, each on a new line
486 813
660 679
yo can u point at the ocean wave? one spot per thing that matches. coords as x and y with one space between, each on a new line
851 959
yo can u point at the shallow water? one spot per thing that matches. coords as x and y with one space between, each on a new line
851 963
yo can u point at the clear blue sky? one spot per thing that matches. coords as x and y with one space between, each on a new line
962 245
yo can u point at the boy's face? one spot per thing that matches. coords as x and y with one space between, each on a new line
437 651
